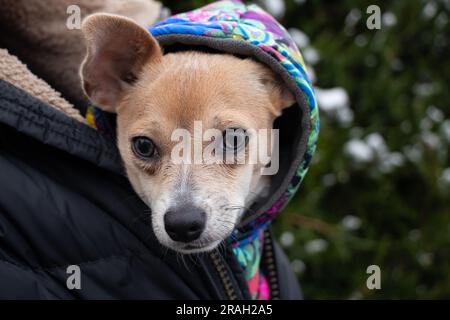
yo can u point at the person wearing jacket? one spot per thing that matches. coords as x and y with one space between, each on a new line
65 200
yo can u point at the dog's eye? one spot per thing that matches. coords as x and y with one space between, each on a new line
143 147
234 139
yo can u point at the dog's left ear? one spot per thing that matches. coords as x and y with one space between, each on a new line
117 51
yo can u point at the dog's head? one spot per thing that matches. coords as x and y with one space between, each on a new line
159 98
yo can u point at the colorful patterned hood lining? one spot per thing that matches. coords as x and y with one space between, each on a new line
231 26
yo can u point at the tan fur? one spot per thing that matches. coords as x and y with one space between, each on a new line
171 92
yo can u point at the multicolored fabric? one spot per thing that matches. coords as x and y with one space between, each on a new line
248 252
96 119
232 19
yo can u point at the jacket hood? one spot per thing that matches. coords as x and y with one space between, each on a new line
246 30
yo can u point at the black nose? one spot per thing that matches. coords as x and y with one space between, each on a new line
185 223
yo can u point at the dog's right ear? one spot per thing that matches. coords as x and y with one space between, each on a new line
117 50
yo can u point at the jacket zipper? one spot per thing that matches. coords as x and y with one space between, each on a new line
267 260
223 275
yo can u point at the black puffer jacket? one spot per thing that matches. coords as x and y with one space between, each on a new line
65 201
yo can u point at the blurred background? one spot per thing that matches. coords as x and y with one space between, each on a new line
378 191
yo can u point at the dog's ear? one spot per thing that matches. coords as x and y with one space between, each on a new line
117 50
280 96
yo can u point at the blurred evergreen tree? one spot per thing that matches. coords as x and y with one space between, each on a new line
378 191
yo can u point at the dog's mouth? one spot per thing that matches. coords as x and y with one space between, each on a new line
197 248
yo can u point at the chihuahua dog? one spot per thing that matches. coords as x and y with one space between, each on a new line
194 207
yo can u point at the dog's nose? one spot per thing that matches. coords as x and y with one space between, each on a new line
185 224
